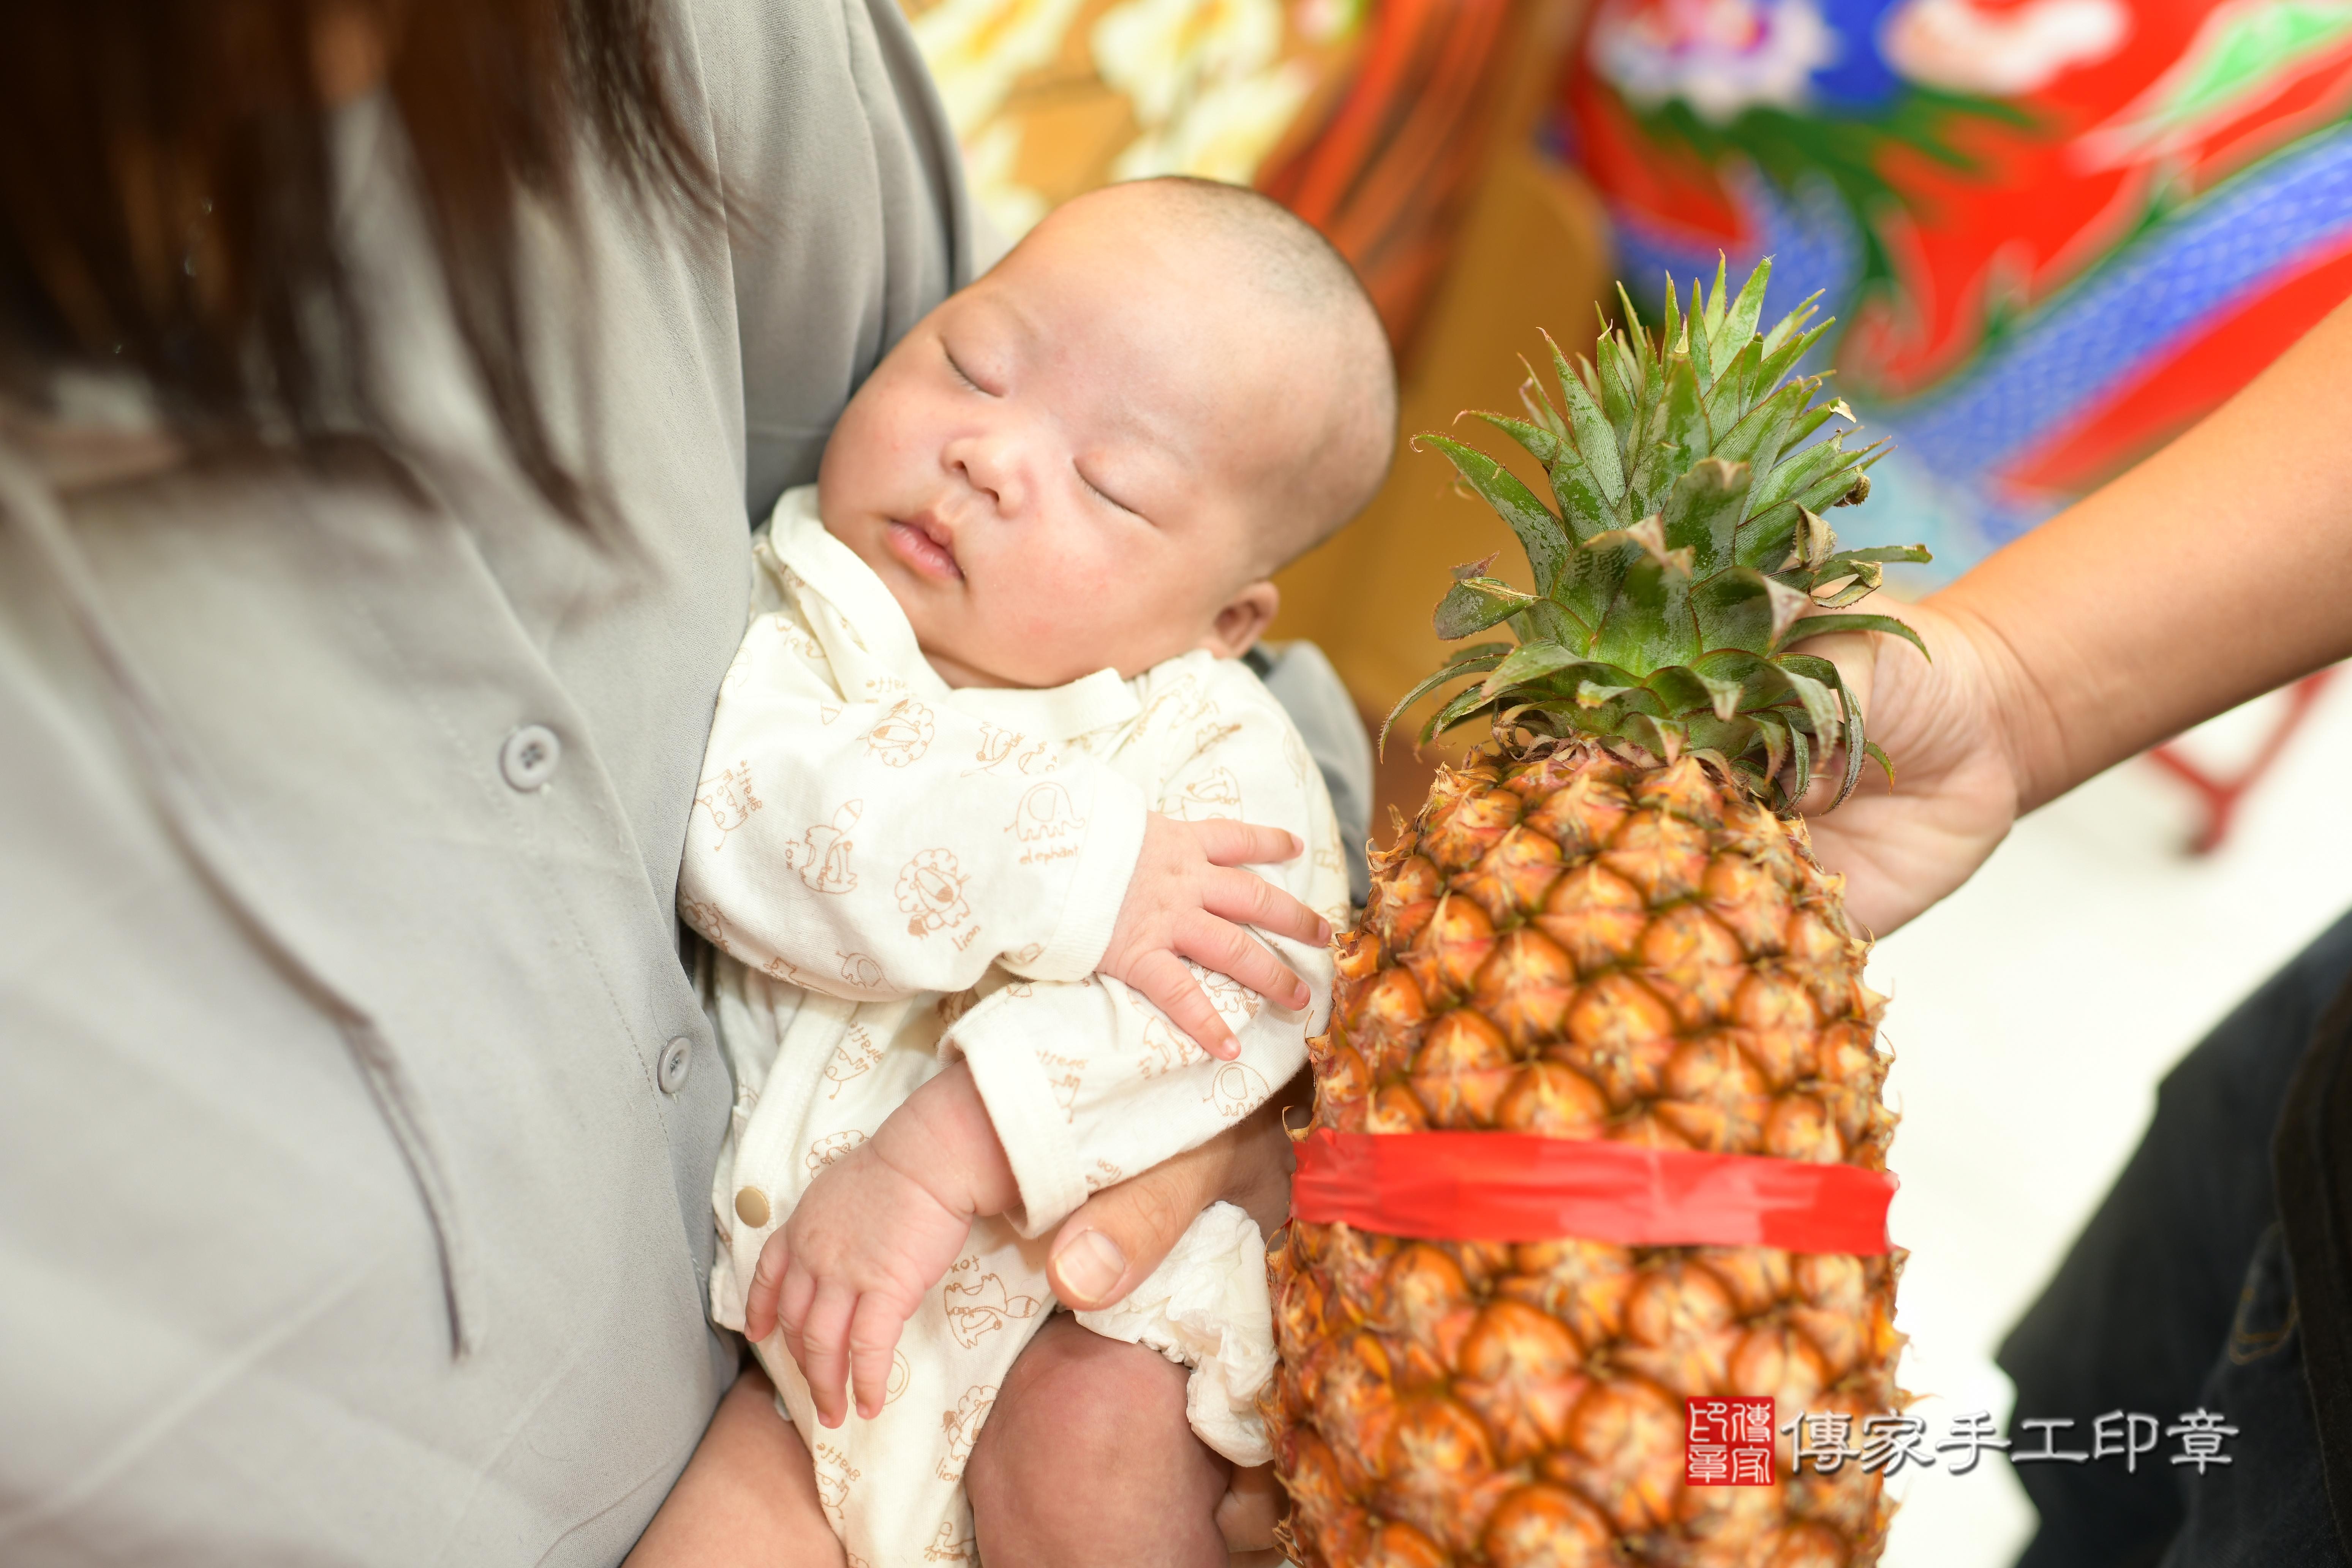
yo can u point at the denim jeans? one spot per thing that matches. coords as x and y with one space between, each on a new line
2178 1295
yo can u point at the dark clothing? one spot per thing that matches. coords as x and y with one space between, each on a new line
2310 1159
2181 1294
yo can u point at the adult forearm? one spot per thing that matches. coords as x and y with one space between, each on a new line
2215 570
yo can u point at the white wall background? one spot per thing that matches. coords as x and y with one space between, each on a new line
2033 1012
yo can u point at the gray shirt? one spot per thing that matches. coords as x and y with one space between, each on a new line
356 1115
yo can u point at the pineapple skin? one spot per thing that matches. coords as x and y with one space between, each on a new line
1573 946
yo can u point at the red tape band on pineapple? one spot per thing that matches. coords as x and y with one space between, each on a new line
1518 1187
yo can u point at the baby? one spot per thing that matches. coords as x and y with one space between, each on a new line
975 793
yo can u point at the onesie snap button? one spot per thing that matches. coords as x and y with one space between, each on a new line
528 759
677 1061
751 1207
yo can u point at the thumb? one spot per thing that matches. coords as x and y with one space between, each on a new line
1115 1239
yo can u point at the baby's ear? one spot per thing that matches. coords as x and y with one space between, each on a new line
1243 620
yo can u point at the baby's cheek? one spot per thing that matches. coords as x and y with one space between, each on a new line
1053 619
1066 611
1069 570
1057 591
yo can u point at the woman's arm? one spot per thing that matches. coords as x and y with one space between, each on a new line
1113 1243
2218 569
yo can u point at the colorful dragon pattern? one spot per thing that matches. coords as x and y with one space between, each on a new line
2056 231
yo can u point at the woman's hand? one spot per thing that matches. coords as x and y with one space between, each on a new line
1113 1243
2173 593
1190 898
1956 791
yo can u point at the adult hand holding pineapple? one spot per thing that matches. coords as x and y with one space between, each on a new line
2180 589
1901 849
1599 930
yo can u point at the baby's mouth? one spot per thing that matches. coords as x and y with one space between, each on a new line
925 546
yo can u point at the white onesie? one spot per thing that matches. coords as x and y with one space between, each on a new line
897 873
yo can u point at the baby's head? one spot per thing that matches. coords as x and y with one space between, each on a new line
1099 452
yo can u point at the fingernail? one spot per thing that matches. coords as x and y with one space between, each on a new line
1228 1048
1090 1264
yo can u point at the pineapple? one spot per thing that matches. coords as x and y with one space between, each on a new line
1608 924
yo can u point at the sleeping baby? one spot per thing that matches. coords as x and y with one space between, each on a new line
971 838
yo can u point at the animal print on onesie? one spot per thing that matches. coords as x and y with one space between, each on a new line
896 874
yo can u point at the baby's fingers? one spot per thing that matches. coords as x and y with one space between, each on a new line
1161 979
793 1299
873 1335
1245 843
1247 899
824 1336
1231 951
767 1285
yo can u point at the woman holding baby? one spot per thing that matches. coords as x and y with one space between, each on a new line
391 389
388 389
387 392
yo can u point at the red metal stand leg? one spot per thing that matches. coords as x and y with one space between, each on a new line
2219 796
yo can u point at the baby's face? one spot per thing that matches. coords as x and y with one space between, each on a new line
1064 466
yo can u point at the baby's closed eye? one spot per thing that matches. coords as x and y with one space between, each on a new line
956 366
1087 480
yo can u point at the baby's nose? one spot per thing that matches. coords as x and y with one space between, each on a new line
994 467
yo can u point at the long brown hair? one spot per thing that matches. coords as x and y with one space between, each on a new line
167 202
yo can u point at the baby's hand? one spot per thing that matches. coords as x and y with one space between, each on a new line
847 1270
1187 900
844 1274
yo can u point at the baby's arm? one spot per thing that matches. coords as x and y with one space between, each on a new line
1086 1083
874 1231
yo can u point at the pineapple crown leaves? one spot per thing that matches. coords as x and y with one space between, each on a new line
1683 555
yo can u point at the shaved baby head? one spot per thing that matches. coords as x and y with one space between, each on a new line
1098 455
1324 369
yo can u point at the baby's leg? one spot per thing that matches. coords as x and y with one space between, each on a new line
1086 1461
748 1499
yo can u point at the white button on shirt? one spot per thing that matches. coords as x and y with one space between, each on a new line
676 1062
528 759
